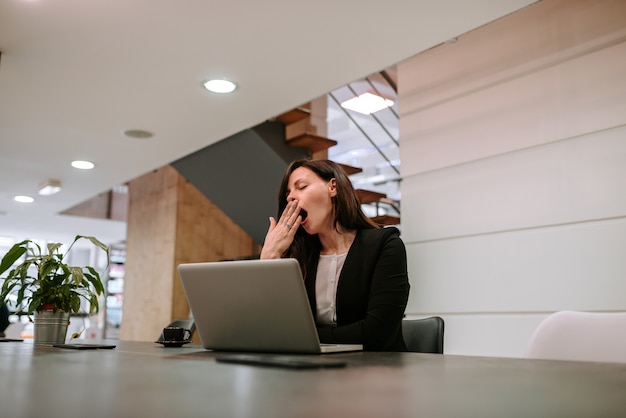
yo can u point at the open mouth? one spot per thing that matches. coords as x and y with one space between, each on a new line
304 215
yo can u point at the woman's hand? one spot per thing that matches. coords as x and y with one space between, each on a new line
280 234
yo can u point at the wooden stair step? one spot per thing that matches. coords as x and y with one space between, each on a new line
298 128
294 115
312 142
386 220
350 170
368 196
388 201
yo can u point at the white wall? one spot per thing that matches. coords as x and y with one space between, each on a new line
513 150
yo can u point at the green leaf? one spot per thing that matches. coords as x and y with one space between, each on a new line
76 274
94 304
94 278
97 243
31 250
48 267
12 256
35 303
53 247
94 241
75 304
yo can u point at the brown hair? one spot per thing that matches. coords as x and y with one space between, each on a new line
346 207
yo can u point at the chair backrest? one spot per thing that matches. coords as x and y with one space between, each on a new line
423 335
580 336
189 324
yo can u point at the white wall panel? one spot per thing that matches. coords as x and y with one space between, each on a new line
568 181
544 106
513 149
504 49
576 267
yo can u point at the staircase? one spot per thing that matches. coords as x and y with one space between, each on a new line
301 133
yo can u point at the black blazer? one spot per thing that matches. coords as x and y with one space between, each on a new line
372 292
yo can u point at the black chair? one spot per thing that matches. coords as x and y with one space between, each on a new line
423 335
189 324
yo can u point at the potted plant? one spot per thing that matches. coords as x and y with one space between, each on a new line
50 288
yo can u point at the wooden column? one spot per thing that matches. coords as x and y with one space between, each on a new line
319 115
170 222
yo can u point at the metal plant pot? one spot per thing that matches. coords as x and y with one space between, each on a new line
51 327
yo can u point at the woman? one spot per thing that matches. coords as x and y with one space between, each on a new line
354 271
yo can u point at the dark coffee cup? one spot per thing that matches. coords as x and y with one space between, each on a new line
176 334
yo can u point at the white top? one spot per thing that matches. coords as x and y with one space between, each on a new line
328 271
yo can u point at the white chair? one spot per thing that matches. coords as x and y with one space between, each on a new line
580 336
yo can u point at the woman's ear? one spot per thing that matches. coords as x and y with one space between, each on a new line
332 187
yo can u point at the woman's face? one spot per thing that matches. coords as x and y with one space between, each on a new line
314 198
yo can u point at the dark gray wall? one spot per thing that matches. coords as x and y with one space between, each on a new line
241 174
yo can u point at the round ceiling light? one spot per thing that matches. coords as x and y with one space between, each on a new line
220 85
24 199
83 165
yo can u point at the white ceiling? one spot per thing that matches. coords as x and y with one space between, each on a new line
75 74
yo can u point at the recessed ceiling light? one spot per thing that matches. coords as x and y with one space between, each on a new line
220 85
83 165
24 199
138 133
367 103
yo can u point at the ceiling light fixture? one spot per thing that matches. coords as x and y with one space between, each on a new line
24 199
367 103
83 165
138 133
50 187
220 85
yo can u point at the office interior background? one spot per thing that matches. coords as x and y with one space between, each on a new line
512 148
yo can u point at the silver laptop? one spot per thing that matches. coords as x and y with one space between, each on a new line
253 306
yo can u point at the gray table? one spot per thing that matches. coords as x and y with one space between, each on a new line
147 380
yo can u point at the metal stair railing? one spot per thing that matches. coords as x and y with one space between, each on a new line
389 81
